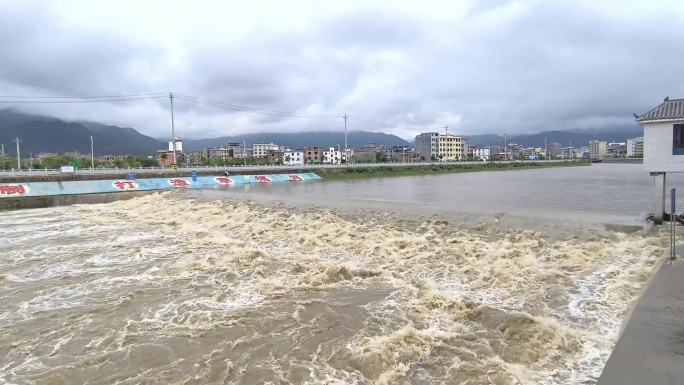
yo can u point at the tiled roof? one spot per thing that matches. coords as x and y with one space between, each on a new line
669 109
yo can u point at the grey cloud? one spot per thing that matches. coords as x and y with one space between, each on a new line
501 66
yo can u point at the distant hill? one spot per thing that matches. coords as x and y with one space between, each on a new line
301 139
46 134
575 138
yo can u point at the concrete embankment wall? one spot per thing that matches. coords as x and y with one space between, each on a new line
43 194
66 200
650 349
37 176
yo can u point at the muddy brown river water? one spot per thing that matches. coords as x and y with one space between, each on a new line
207 288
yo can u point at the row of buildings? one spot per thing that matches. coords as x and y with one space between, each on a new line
274 153
436 147
429 146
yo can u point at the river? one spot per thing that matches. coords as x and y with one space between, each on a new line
408 280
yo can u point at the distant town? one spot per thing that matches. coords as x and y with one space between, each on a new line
428 147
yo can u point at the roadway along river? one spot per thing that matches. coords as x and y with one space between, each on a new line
483 278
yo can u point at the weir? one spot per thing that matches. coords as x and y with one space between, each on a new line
52 193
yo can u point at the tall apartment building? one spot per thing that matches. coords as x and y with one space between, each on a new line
449 148
635 147
427 145
597 149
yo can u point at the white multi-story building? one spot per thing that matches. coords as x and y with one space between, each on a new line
178 141
635 147
663 147
482 153
260 150
570 153
293 157
332 156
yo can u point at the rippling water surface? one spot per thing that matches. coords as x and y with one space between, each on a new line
169 289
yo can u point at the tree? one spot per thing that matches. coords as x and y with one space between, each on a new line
7 162
381 157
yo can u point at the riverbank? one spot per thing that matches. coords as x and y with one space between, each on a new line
388 171
650 349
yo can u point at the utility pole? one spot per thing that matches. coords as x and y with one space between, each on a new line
92 154
244 152
446 129
346 153
345 117
18 153
505 146
173 134
2 148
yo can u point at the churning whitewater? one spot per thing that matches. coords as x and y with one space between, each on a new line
160 289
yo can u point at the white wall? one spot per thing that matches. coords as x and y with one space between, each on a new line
296 158
658 148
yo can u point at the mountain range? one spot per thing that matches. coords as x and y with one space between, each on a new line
48 134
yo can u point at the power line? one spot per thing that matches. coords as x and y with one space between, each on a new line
387 125
235 107
85 97
50 100
21 99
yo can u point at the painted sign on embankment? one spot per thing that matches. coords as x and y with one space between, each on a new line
34 189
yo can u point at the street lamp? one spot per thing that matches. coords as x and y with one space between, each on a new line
92 155
17 140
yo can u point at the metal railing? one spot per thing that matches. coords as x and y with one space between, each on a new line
673 222
247 167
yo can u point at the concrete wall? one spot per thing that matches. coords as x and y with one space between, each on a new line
658 148
66 200
59 188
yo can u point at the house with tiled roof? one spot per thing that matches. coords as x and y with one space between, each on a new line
663 146
664 136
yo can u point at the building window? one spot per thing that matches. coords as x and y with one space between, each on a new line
678 139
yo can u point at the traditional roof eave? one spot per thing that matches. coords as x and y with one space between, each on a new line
660 120
668 110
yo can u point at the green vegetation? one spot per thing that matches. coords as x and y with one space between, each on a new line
239 161
384 171
7 162
57 161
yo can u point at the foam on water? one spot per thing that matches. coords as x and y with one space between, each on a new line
158 289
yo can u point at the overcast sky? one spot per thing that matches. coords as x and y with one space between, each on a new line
394 66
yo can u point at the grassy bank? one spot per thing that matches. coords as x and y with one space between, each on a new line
385 171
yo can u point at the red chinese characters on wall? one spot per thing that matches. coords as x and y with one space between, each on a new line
224 180
262 179
125 185
179 182
13 189
295 178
